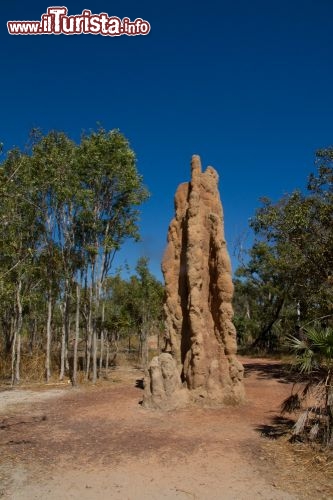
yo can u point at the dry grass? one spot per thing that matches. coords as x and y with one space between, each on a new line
295 461
5 367
32 367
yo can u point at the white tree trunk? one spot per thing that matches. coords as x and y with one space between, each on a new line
94 349
16 352
102 341
65 332
77 334
48 337
89 334
107 358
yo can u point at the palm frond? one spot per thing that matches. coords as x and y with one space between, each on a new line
296 344
300 424
330 396
306 362
322 338
314 350
314 431
291 403
307 389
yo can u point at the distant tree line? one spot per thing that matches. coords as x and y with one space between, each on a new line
65 210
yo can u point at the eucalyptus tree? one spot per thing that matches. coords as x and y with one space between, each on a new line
149 304
137 305
59 201
113 191
20 235
65 210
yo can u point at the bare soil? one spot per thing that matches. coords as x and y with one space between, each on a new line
97 442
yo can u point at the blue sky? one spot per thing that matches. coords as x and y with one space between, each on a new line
247 85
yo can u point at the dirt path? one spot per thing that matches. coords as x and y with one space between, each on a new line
98 443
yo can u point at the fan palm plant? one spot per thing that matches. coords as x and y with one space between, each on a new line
313 358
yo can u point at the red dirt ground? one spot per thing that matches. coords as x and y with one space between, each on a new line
97 442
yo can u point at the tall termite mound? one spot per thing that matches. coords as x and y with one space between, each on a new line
200 334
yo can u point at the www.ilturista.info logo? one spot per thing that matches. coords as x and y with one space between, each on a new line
57 22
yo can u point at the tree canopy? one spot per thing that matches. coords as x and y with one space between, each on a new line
65 210
288 277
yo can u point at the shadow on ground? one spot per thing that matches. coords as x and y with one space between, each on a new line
283 373
279 427
140 383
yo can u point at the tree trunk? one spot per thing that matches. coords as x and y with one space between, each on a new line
95 303
94 349
248 311
89 334
144 349
48 337
65 333
101 355
18 359
264 336
16 351
96 309
8 330
77 334
63 344
102 341
107 358
147 351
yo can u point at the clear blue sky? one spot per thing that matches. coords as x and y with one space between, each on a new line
247 85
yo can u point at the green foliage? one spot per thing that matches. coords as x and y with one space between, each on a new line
313 357
65 210
137 304
315 350
289 273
